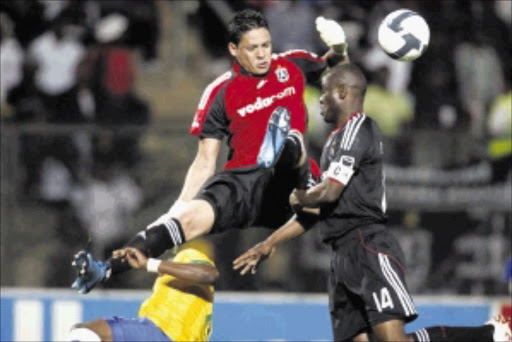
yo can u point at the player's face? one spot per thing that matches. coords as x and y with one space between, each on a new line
330 101
254 51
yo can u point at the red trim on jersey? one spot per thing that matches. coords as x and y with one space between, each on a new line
341 125
315 169
205 102
301 54
377 252
335 180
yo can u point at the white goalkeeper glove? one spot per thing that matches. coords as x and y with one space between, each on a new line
332 34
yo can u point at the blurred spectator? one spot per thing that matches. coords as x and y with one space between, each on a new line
416 242
144 30
508 274
143 25
211 19
480 255
283 15
391 110
56 54
107 198
318 129
479 74
104 207
28 107
399 72
23 12
433 82
11 60
108 73
499 125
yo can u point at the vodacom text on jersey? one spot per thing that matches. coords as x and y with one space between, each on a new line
261 103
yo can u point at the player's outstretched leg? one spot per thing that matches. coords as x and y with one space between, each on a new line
496 329
194 220
447 333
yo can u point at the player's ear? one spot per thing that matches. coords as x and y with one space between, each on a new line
342 90
233 49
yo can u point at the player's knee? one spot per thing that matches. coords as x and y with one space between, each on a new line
197 219
79 332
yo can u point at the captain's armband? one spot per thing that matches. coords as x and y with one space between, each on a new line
342 170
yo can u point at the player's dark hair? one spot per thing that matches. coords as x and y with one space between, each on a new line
243 22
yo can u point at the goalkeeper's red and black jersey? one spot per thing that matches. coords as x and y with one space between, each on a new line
356 145
239 105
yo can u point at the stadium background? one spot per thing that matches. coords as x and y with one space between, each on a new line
94 143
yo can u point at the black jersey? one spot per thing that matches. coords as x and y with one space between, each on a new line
352 155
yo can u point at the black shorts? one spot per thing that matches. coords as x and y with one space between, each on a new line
249 198
367 282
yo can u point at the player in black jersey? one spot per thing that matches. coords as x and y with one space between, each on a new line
368 297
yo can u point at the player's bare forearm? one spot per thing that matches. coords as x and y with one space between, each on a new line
197 273
202 168
288 231
333 58
325 192
249 260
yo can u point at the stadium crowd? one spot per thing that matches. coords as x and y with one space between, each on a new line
446 120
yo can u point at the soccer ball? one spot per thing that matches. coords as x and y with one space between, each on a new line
404 35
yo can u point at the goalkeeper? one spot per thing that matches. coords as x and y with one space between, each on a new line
264 126
180 308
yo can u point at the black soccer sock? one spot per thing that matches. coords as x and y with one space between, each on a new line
153 242
120 265
443 333
291 152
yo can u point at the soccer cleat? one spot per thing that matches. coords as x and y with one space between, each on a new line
275 137
90 272
501 328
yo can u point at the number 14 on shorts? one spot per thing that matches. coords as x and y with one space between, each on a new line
383 300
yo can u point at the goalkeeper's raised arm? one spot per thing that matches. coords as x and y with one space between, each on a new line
334 37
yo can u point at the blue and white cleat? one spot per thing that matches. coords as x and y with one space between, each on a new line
275 137
90 272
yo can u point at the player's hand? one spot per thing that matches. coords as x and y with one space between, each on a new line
135 258
90 271
295 200
250 260
332 34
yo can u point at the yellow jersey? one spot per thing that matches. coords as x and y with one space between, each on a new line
181 309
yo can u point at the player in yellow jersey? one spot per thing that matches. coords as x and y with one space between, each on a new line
179 309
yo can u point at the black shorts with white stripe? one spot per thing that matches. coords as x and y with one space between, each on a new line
367 282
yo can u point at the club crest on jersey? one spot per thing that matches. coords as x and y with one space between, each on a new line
282 74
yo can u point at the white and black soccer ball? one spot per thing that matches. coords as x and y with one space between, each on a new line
404 35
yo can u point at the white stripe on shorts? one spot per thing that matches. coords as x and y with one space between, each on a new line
407 297
395 283
422 335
